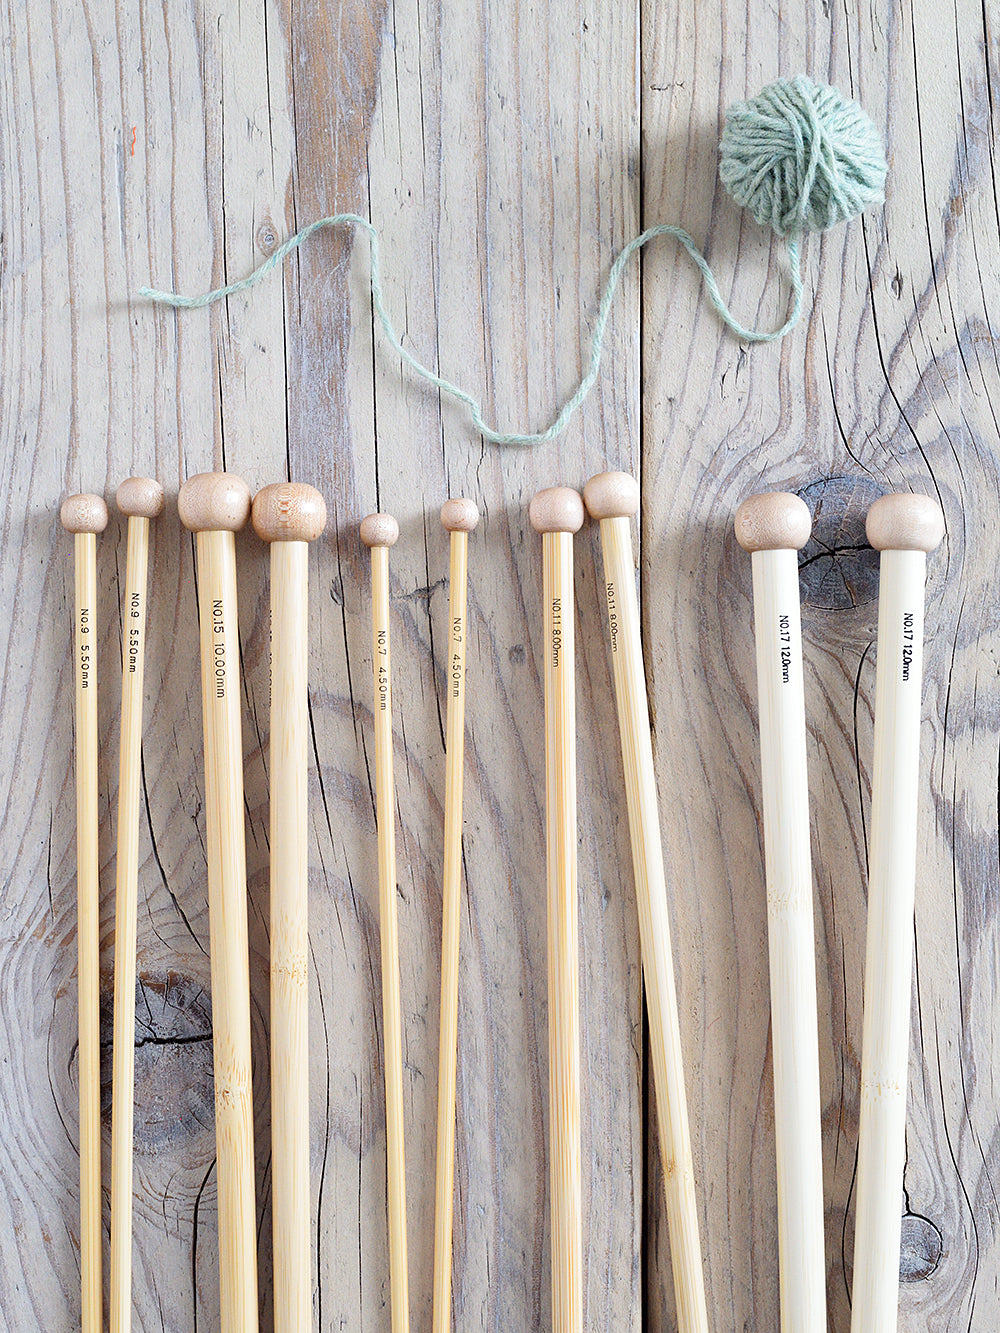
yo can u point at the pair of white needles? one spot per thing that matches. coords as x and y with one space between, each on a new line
288 516
904 528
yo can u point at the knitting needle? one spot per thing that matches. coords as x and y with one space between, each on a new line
379 532
773 527
215 505
141 499
459 517
613 497
289 516
557 513
904 528
85 516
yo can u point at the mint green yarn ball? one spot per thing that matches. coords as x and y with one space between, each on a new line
801 157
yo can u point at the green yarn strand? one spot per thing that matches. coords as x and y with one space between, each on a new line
799 156
454 391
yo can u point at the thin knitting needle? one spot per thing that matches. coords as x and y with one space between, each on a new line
613 497
459 517
85 516
557 513
215 505
379 532
141 499
288 516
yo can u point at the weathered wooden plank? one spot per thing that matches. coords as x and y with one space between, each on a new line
870 394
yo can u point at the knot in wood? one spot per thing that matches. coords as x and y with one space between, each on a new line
173 1061
922 1246
838 570
267 238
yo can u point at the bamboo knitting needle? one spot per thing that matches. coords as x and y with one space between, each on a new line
904 528
459 517
141 499
773 527
379 532
215 505
613 497
557 513
85 516
289 516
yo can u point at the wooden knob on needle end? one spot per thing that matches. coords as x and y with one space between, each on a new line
611 495
905 522
288 511
459 515
214 502
379 530
556 509
140 497
773 521
84 513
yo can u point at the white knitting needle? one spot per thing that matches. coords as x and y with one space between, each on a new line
379 532
773 527
904 528
86 516
141 499
459 517
557 513
215 505
289 515
613 497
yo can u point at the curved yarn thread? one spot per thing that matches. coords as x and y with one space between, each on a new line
799 156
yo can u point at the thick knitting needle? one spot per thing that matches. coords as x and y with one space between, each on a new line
773 527
85 516
613 497
904 528
289 516
557 513
141 499
379 532
459 517
215 505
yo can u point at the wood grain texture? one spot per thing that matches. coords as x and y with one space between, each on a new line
506 153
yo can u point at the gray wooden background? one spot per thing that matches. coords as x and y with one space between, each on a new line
505 152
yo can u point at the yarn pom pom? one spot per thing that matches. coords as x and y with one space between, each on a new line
801 157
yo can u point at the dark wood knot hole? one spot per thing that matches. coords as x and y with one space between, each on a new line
921 1248
173 1060
838 570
